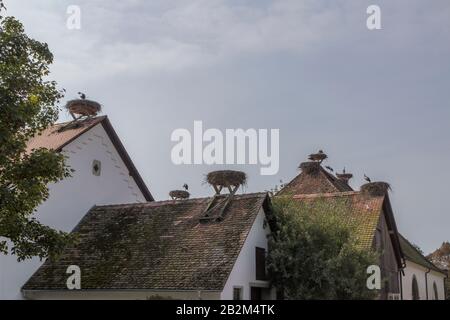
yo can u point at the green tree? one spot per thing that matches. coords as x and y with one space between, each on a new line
27 105
313 254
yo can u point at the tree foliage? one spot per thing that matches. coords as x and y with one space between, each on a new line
28 104
313 254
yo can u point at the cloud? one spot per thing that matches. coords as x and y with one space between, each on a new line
173 35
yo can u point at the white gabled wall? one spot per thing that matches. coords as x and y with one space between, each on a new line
244 269
72 198
77 194
419 271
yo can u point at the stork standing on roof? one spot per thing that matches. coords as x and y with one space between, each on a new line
185 187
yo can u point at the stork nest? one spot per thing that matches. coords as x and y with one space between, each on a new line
319 157
376 189
344 176
83 107
310 167
226 178
179 194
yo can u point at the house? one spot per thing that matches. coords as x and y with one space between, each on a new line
441 258
104 174
369 211
207 248
421 279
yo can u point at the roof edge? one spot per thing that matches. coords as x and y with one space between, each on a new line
126 159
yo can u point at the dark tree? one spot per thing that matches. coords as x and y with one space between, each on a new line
28 104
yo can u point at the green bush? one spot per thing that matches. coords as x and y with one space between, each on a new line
313 254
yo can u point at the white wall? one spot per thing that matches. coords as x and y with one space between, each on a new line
419 271
244 270
72 198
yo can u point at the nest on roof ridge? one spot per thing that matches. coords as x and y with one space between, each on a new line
226 178
310 167
319 156
376 189
179 194
344 176
83 107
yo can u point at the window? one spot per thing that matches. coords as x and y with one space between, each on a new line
260 255
96 168
435 291
255 293
237 293
415 289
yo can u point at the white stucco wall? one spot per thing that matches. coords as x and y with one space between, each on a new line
72 198
419 271
243 273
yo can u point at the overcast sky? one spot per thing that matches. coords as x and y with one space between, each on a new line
376 101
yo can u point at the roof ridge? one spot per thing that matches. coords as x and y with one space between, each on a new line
411 245
82 120
169 201
326 195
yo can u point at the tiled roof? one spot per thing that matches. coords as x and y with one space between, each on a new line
317 182
412 254
314 183
157 245
56 137
361 211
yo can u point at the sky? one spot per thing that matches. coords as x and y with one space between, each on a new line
376 101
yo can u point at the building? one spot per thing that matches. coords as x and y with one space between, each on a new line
104 174
177 249
421 279
369 211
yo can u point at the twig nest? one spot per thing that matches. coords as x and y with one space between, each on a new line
344 176
226 178
179 194
375 189
319 156
83 107
310 167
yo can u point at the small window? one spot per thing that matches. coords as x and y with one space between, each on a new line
415 289
96 168
260 263
435 291
237 293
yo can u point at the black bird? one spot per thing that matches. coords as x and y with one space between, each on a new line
329 168
185 186
82 95
367 178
